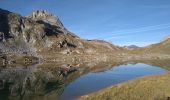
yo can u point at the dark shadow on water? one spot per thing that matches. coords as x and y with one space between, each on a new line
51 81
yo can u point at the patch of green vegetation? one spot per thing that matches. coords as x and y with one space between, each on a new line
147 88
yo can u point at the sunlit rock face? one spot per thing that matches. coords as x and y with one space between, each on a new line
41 32
43 15
50 21
38 31
19 34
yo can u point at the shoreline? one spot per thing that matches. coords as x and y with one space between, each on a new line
141 88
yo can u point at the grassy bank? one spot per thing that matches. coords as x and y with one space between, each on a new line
147 88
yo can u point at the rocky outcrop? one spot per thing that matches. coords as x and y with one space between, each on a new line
42 33
42 15
50 21
19 34
29 34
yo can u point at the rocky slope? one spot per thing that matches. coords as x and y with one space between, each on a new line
154 51
43 34
162 48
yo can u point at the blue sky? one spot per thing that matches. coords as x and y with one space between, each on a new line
123 22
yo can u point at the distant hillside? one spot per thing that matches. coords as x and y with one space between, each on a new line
131 47
163 47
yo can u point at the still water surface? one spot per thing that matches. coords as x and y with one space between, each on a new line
98 80
49 82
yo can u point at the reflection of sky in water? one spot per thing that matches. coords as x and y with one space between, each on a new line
95 81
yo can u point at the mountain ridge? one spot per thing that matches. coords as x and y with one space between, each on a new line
42 34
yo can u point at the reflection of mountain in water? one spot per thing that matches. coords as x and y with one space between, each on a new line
42 81
165 63
47 81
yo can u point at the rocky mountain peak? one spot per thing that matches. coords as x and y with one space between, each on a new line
40 13
46 17
42 32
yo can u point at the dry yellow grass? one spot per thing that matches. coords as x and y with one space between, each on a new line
147 88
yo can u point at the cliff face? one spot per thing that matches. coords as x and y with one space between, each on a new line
41 33
19 34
